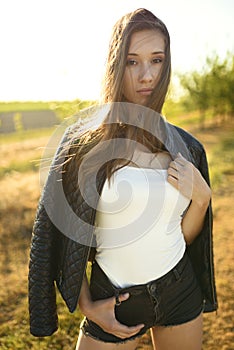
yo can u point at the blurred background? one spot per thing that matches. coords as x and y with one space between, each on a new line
51 64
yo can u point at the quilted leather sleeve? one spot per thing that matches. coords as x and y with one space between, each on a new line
43 258
42 297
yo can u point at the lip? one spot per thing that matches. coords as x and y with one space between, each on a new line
145 91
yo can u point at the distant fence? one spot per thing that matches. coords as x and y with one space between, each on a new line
26 120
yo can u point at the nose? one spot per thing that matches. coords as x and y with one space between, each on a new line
146 74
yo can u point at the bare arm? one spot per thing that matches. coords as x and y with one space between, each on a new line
188 180
102 312
193 220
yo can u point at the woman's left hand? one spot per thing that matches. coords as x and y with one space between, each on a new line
185 177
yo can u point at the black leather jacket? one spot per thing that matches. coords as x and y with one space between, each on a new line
56 259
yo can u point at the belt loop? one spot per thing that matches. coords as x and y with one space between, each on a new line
176 273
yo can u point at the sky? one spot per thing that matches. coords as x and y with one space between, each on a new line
56 49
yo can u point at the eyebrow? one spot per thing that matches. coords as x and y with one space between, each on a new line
153 53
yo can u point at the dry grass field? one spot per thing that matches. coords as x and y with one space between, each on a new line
20 191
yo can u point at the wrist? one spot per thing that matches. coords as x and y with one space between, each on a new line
203 200
85 306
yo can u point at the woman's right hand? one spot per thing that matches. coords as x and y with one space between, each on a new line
102 312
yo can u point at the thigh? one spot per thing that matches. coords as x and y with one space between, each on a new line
86 343
181 337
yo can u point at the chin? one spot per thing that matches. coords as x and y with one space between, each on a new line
137 101
142 102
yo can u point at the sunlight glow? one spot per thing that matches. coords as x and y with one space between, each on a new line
56 50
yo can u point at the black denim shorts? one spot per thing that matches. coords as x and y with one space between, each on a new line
172 299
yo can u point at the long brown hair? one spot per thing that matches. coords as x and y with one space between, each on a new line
135 21
91 145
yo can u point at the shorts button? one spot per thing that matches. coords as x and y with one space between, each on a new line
153 288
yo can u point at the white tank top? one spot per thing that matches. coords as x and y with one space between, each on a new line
138 226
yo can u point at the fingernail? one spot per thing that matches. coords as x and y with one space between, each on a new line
126 295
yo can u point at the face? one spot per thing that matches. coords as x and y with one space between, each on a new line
144 63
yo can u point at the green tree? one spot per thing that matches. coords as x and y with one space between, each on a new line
197 86
212 88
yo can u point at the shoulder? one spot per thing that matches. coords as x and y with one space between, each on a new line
191 141
189 138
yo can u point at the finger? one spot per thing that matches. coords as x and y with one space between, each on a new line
119 298
173 181
128 329
172 172
177 165
179 156
123 297
125 332
173 165
180 159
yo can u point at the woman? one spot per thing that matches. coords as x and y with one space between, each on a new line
151 243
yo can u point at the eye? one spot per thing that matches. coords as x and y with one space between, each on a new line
157 60
131 62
